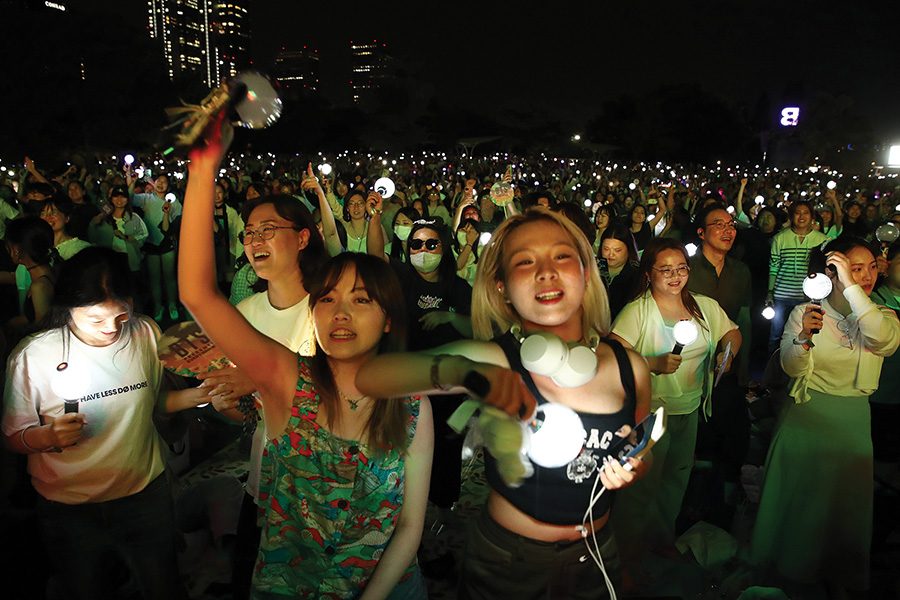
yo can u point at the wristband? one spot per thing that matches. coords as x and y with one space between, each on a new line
435 371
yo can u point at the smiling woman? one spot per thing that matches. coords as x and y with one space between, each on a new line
538 274
105 458
681 381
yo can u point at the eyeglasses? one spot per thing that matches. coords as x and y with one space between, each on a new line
669 273
267 232
721 225
430 244
356 203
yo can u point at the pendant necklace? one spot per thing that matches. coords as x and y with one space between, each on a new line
353 402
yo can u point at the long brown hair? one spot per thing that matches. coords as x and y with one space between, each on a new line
386 428
648 259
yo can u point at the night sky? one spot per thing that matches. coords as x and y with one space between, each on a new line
569 57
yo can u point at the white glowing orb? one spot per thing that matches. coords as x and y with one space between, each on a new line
588 203
691 249
759 199
484 238
887 233
385 187
71 383
325 169
817 286
631 186
129 159
555 436
685 332
170 197
139 172
831 185
730 210
768 313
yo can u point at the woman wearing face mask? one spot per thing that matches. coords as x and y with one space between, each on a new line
401 227
438 303
814 523
618 264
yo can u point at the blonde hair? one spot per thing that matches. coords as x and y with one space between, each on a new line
492 314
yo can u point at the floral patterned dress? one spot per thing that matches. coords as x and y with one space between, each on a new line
329 505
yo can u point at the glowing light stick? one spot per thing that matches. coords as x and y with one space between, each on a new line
71 385
385 187
817 287
686 333
555 436
887 234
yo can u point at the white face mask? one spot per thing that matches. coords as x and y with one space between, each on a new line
402 231
425 262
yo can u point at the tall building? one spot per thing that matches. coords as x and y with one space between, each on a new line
205 39
370 66
232 37
297 69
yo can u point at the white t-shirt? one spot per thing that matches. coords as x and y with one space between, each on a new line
119 452
291 327
641 325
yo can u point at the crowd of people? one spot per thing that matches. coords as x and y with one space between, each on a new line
359 318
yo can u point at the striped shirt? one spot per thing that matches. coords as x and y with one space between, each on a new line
789 261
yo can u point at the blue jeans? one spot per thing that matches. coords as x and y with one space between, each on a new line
139 530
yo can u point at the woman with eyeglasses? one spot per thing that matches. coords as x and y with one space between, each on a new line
681 382
284 250
814 524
